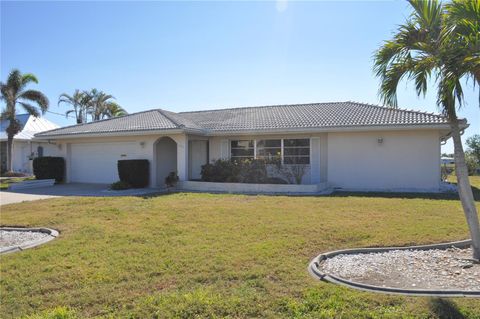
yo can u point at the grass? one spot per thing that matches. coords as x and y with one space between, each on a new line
215 256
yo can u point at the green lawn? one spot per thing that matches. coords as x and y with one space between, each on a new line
200 255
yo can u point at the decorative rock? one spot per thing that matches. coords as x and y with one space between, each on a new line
17 239
421 269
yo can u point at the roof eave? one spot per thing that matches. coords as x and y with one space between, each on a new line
363 128
108 134
442 126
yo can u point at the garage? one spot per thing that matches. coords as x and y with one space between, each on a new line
97 162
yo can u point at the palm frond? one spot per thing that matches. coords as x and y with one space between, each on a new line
27 78
36 96
30 109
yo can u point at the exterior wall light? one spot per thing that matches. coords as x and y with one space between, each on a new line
380 140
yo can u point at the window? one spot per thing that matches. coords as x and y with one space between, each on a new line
291 151
269 149
40 151
242 149
296 151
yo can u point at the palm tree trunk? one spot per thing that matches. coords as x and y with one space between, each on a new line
465 190
9 153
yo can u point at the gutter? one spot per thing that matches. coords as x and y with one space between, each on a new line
205 132
365 128
112 134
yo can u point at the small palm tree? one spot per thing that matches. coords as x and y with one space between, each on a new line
442 42
114 110
79 102
14 93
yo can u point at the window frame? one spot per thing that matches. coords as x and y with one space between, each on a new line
282 149
241 148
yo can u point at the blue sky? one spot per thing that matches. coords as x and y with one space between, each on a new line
201 55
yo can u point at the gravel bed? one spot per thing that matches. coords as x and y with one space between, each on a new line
13 238
409 269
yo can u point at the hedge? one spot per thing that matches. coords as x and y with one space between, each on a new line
238 171
134 172
49 167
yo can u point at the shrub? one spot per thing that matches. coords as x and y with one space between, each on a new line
134 172
13 174
120 185
49 167
227 171
171 180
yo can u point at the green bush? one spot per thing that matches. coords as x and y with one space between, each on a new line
472 163
171 180
134 172
228 171
120 185
49 167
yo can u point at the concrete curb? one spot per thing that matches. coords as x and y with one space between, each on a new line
314 270
11 249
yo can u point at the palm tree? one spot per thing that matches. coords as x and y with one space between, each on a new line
443 43
14 93
79 101
101 105
114 110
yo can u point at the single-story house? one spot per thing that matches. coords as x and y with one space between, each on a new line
345 145
24 148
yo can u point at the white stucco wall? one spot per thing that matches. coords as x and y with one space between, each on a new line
406 160
22 151
94 160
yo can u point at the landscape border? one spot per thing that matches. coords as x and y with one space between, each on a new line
313 269
11 249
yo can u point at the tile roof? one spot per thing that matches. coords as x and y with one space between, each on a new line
262 118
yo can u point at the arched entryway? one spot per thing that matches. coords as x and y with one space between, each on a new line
165 159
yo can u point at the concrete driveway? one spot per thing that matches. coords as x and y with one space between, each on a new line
72 189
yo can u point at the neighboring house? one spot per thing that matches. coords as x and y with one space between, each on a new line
346 145
24 148
448 160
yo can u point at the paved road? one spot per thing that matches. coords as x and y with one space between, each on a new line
72 189
10 197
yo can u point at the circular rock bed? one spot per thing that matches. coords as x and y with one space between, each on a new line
16 239
442 270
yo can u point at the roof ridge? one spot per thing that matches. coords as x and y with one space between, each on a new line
161 111
397 109
259 106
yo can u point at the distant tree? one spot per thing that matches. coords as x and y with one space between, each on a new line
79 102
473 143
101 105
14 93
439 41
114 110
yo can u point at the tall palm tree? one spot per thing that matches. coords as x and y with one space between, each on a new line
101 105
79 102
439 42
14 93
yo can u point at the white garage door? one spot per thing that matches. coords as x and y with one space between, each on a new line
97 162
